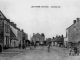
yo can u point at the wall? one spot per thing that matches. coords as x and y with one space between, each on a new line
1 31
6 33
38 37
19 36
14 37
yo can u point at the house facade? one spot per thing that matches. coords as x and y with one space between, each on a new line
38 38
13 35
73 32
18 36
10 35
4 31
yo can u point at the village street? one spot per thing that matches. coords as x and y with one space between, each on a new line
40 53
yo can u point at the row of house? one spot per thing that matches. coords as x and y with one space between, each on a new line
10 34
73 33
56 41
39 39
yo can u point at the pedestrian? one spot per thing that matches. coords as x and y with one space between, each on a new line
19 46
75 50
49 47
23 46
30 45
34 45
0 48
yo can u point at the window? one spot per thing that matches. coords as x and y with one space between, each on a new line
7 28
1 23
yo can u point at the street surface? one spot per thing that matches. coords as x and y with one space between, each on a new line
40 53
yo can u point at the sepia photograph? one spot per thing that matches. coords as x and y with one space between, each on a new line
39 30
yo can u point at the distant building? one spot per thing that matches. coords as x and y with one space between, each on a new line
73 32
38 38
24 37
48 41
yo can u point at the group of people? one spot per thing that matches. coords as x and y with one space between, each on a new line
32 44
74 51
23 46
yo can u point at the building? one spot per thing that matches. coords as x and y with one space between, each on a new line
24 39
53 41
19 36
10 35
73 32
48 41
14 35
38 38
65 42
4 31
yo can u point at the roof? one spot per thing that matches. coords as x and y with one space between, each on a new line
2 17
70 26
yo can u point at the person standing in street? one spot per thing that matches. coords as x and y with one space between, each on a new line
31 45
0 48
49 47
19 46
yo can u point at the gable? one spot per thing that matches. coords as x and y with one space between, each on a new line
74 33
2 15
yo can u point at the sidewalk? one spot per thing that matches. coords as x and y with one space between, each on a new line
12 52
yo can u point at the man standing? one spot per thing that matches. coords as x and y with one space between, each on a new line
0 48
19 46
49 47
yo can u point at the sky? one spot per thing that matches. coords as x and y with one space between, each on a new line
50 21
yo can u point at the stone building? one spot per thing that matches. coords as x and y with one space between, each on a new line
17 36
38 38
10 34
4 31
14 35
73 32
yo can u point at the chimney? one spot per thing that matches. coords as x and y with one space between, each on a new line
11 23
77 19
14 25
33 34
22 30
8 20
74 21
18 29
